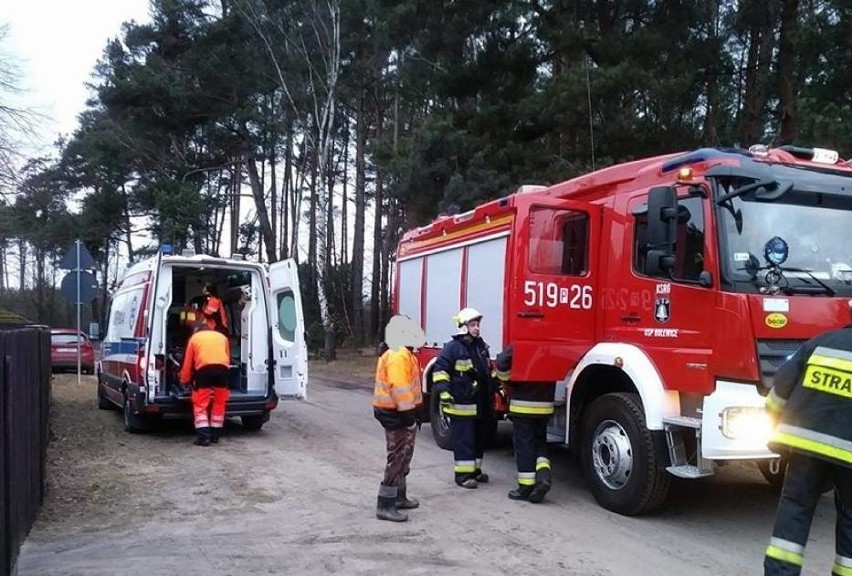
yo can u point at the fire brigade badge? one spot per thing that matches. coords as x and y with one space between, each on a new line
662 310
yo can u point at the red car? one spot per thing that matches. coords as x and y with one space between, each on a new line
63 350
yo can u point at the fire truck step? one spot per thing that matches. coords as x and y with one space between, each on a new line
688 471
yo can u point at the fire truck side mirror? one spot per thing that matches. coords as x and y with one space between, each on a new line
662 229
659 262
662 217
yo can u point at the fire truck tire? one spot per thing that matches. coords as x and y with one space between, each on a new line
618 457
440 424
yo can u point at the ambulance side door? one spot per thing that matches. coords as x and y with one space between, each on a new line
289 358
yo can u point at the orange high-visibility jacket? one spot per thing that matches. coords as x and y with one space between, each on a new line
397 381
205 348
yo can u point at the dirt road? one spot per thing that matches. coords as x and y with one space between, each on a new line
298 498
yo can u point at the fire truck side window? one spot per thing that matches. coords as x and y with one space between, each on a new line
689 243
559 242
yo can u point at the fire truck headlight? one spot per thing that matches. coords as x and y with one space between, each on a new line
746 422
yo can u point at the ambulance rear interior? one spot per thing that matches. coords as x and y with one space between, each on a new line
176 308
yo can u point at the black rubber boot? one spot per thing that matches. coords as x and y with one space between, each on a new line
480 476
542 486
386 505
215 434
520 493
202 437
402 502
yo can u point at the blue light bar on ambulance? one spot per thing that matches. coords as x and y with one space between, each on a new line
166 249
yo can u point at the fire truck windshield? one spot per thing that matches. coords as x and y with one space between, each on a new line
812 214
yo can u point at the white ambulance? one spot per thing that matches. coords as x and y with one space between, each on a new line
150 320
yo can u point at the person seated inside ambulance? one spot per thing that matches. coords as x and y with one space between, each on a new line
214 310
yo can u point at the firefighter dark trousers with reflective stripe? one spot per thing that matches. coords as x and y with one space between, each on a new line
807 478
468 436
400 442
531 454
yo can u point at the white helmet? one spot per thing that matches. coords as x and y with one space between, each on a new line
464 316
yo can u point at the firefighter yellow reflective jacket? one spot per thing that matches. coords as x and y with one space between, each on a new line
812 394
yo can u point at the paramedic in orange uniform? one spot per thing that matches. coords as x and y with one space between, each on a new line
205 368
213 309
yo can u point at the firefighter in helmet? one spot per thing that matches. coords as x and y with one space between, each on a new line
396 399
812 399
205 368
463 382
530 407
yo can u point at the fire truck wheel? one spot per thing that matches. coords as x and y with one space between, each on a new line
773 473
440 424
618 457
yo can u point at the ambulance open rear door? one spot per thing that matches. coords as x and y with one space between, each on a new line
287 331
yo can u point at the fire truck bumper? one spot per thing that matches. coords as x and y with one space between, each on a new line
735 424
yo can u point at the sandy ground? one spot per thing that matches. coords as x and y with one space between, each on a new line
299 498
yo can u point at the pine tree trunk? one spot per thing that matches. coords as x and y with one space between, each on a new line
358 233
757 73
260 206
312 217
285 193
787 73
375 292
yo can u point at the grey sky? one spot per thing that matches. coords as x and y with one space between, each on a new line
58 43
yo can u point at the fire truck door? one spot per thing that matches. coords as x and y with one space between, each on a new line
670 316
553 286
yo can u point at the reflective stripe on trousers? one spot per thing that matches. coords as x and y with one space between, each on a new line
806 480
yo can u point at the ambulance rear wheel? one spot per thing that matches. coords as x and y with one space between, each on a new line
618 457
254 423
440 423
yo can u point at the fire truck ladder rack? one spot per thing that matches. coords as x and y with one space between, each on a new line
680 466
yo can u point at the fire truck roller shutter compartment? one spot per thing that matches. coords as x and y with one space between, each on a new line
443 290
484 288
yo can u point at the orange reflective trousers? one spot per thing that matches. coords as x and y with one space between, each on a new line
205 414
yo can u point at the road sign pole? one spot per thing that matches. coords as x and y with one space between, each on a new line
79 360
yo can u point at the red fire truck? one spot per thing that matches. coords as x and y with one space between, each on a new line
661 295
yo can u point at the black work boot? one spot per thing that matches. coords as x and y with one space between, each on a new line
202 437
215 434
402 502
480 476
386 505
542 486
467 482
520 493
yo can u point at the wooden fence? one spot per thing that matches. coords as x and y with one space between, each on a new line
24 431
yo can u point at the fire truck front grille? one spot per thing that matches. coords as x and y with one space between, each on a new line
773 353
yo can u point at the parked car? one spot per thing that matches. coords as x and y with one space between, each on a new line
63 350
